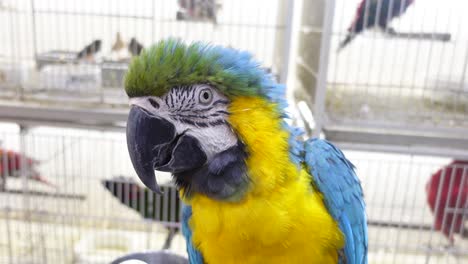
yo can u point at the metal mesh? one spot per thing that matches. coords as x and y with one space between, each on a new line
405 70
94 208
48 49
98 197
416 74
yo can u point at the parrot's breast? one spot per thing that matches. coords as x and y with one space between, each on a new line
290 226
281 219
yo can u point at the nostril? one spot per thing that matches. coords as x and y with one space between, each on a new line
153 103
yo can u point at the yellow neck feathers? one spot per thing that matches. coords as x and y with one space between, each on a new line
258 124
280 219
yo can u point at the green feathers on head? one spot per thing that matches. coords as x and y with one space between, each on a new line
171 63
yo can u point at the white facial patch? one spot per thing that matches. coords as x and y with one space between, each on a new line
199 111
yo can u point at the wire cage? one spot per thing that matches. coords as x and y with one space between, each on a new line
93 196
77 203
56 50
398 66
71 195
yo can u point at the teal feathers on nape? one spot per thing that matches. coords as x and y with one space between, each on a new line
171 63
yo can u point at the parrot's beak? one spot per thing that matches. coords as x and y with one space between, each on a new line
153 144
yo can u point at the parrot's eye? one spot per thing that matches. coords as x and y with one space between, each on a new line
206 96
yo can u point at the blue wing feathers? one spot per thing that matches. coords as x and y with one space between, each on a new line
194 255
334 176
347 229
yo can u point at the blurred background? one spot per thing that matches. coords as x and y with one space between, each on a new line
385 80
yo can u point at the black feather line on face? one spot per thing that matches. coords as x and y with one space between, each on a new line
201 124
198 124
217 122
224 177
176 116
222 112
186 121
181 106
171 101
223 102
195 110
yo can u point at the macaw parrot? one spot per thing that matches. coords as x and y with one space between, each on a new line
448 188
372 13
254 192
11 165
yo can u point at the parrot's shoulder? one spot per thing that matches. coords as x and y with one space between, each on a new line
333 175
194 254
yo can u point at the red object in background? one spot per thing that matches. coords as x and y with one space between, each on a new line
453 181
11 165
13 160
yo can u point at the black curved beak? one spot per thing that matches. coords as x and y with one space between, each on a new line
153 144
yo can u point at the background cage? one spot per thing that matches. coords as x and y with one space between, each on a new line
404 93
44 36
52 225
60 108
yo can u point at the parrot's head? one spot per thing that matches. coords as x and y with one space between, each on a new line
199 112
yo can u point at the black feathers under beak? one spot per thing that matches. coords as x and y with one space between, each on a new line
153 144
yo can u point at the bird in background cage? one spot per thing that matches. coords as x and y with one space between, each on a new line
447 190
14 164
198 10
90 51
146 203
377 13
118 44
118 48
254 191
135 47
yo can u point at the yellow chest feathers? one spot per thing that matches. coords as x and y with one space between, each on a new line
290 226
281 219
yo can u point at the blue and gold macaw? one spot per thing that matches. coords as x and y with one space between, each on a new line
254 192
